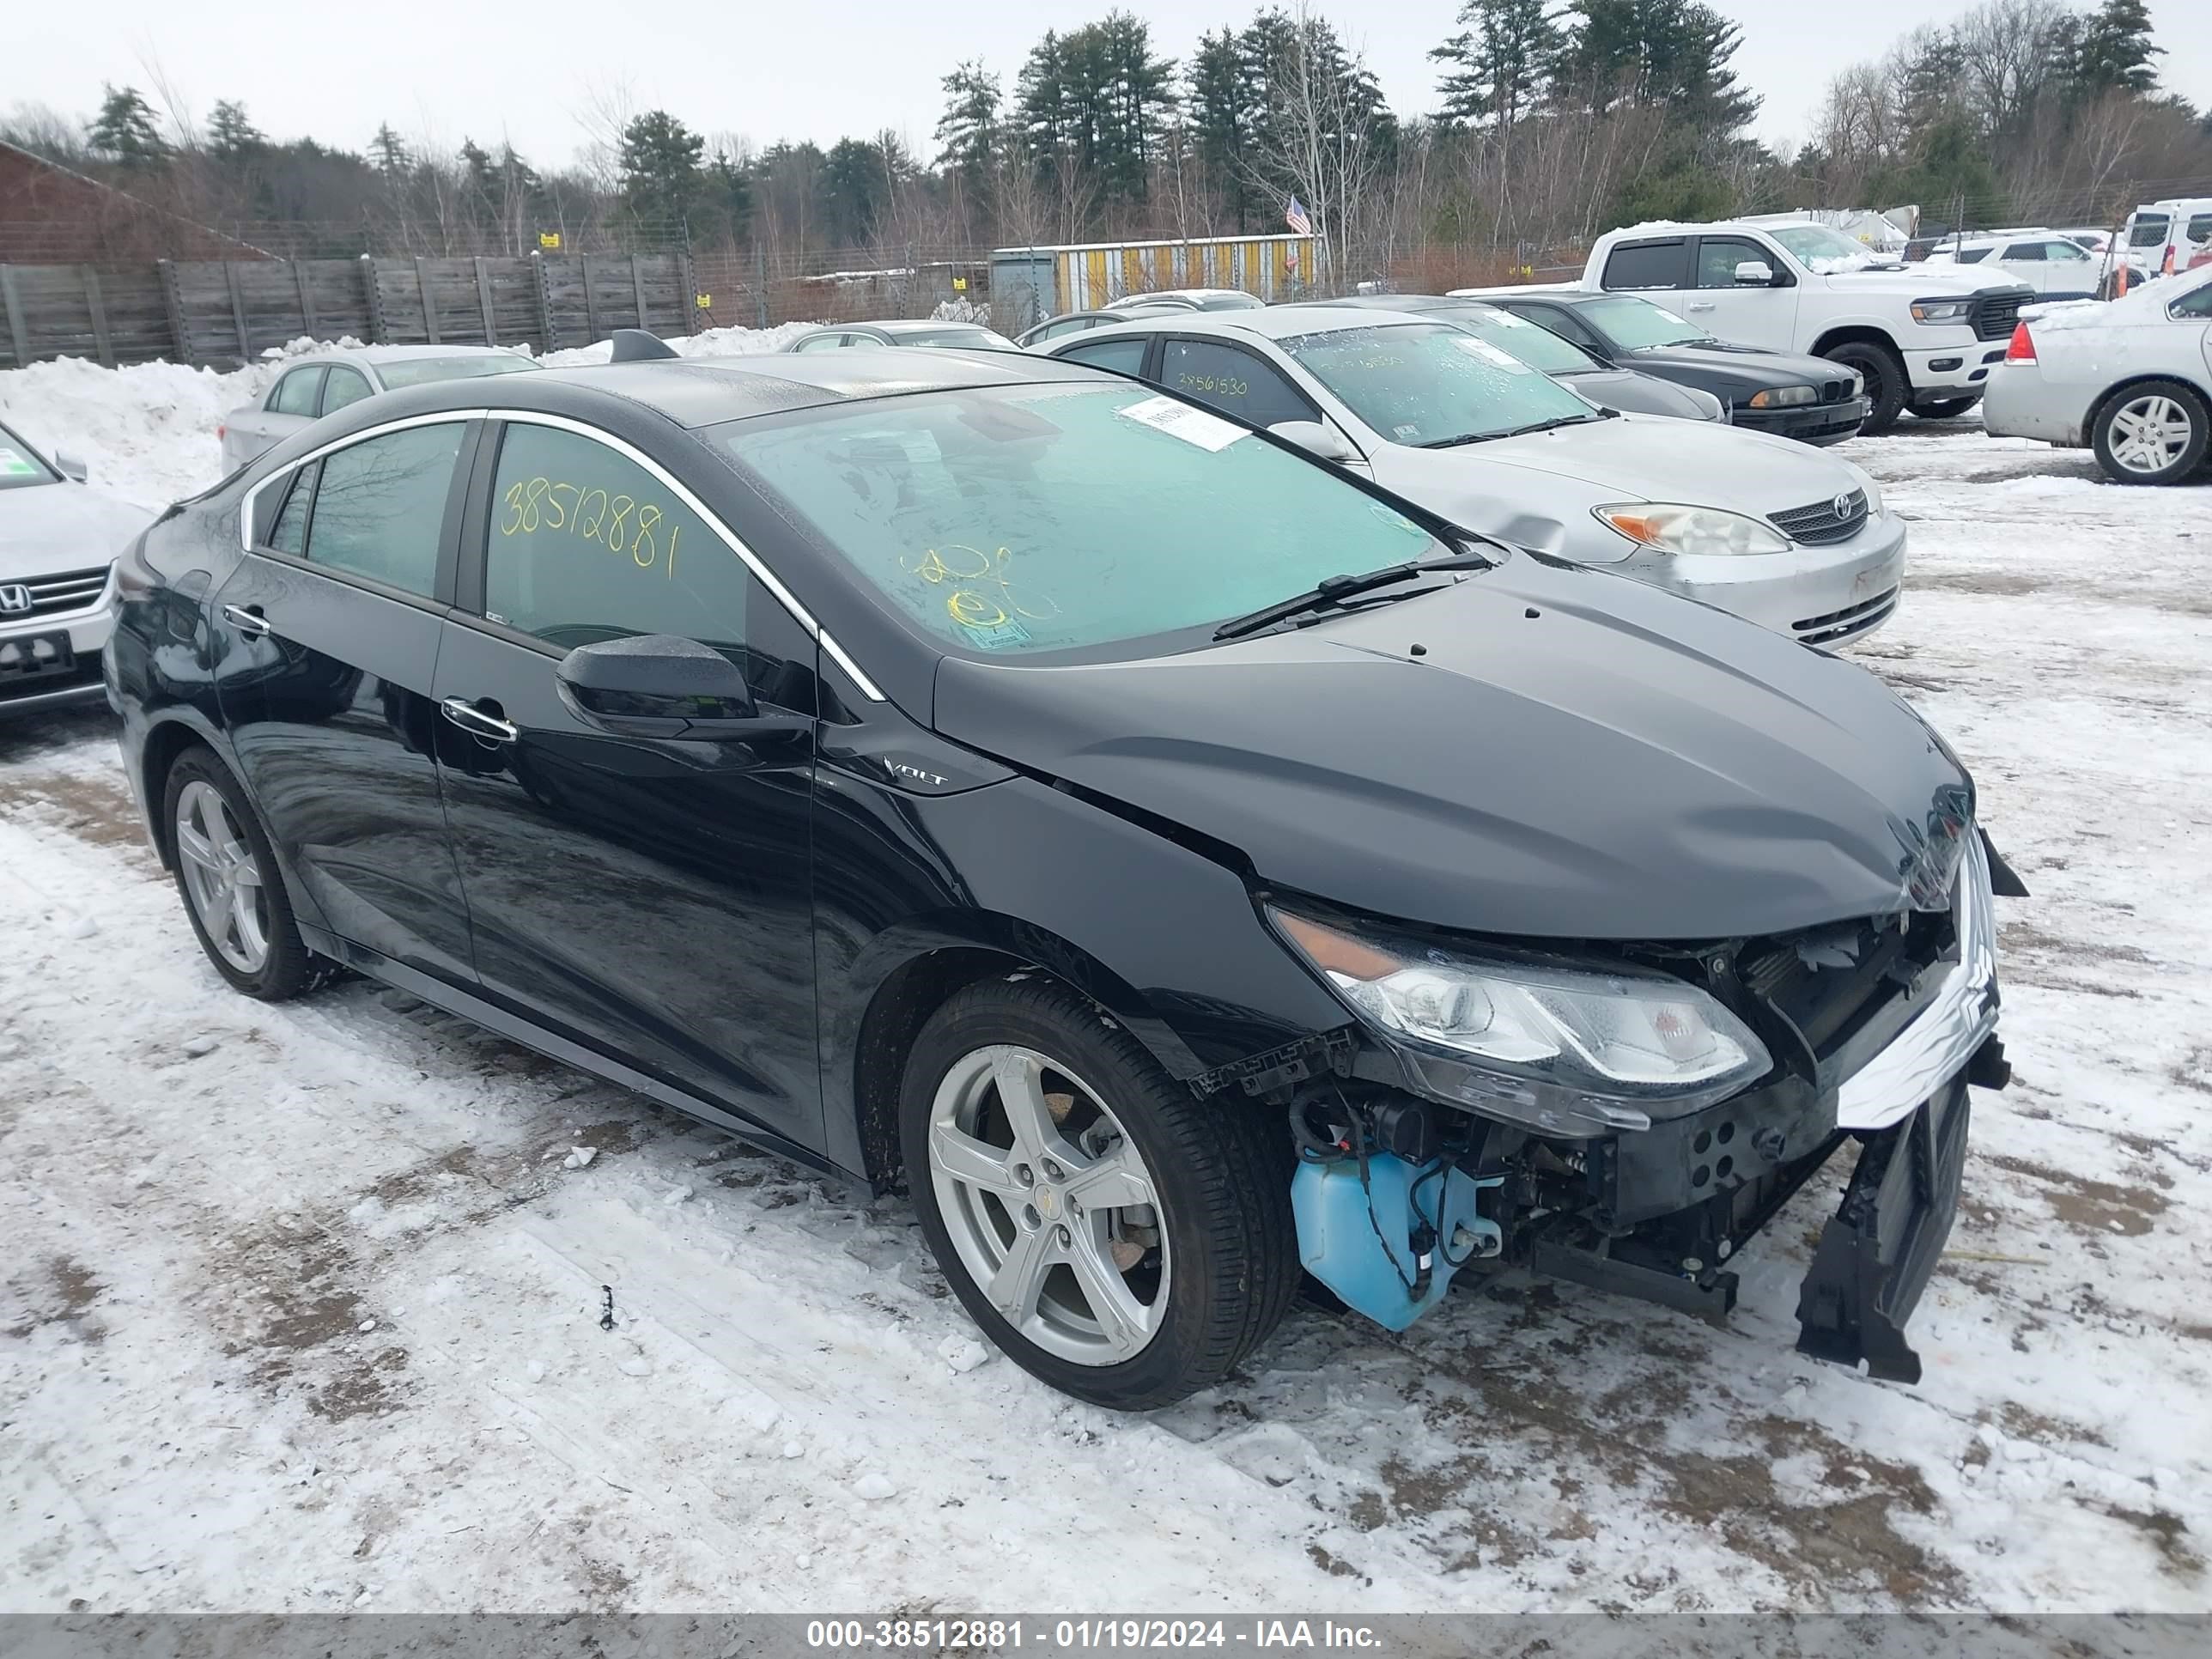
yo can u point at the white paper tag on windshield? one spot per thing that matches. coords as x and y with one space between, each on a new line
1193 426
1491 354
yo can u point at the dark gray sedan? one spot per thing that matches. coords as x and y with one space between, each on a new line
1625 389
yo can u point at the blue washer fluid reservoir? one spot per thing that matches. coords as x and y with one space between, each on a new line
1357 1239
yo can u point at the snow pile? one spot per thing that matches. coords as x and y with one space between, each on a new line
146 431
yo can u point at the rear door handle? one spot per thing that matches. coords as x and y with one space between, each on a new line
477 724
248 620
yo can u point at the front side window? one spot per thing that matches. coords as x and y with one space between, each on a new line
587 545
21 465
1719 256
295 392
1229 378
1067 515
2070 252
1648 264
1637 325
423 371
2197 303
346 385
1428 386
2200 227
1122 356
379 511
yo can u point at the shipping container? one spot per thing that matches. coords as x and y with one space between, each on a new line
1029 284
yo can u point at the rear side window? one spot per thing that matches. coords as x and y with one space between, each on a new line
1648 264
289 533
295 392
1234 380
345 386
2200 227
380 507
1972 256
822 343
2020 251
587 545
2195 303
1122 356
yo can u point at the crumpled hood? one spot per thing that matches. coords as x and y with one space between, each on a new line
45 529
1623 764
1639 459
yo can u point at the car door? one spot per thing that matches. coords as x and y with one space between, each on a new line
326 637
2071 271
289 406
649 899
1748 314
2027 262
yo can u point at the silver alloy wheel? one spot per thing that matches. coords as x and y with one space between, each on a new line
2149 434
1050 1205
222 878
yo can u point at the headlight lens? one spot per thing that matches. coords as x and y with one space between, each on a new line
1670 527
1873 495
1565 1050
1783 397
1940 311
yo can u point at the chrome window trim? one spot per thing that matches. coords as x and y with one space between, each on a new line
246 511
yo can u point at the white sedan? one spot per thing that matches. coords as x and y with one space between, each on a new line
314 385
58 539
2131 379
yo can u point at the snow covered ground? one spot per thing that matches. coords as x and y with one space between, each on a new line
300 1307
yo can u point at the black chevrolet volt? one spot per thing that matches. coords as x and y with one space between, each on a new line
1181 866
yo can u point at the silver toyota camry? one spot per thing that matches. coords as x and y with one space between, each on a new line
1796 539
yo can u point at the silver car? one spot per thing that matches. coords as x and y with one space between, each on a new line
313 385
58 539
1789 536
903 332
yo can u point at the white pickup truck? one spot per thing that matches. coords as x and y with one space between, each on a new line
1923 337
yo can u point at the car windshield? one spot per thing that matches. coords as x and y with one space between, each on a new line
1427 383
1532 343
1012 520
1634 324
962 334
422 371
20 468
1824 251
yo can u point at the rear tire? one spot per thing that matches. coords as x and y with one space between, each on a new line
227 876
1211 1249
1886 386
2154 432
1944 409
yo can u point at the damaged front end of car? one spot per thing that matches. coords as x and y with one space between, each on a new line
1629 1116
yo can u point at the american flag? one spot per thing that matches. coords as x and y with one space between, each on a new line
1295 217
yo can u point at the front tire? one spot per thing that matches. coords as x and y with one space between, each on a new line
1944 409
1886 386
2153 432
1112 1234
233 893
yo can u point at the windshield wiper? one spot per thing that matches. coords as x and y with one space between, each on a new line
1463 438
1331 591
1558 420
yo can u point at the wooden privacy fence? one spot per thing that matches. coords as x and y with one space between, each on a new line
220 314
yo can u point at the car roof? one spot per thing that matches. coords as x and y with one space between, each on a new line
913 324
397 354
1407 303
694 391
1563 293
1269 322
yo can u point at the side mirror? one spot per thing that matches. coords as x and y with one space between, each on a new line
1322 441
70 467
657 685
1756 273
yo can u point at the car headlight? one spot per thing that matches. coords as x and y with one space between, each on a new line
1873 495
1783 397
1858 384
1940 311
1565 1050
1670 527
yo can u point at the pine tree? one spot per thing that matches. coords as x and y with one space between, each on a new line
967 136
659 170
231 136
2114 50
388 154
1501 64
125 130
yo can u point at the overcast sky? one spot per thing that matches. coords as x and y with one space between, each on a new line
818 69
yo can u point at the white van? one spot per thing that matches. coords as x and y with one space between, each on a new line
2175 234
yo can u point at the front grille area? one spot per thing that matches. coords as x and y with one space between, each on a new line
1841 624
1819 524
1829 981
54 596
1994 315
1834 392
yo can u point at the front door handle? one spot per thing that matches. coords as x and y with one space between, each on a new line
248 620
477 724
1702 305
